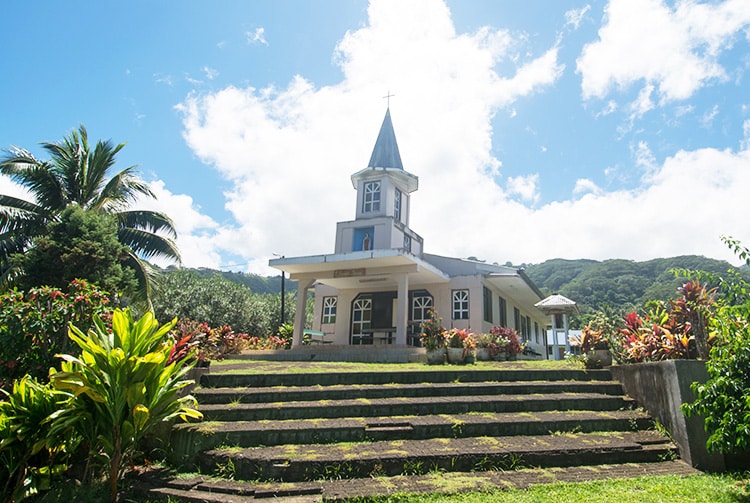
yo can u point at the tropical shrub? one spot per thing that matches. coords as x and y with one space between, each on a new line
217 301
209 343
507 341
81 245
29 455
675 330
724 399
34 326
461 338
433 334
122 385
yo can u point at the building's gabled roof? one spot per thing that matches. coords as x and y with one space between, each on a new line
385 154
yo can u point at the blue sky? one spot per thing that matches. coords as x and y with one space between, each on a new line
538 130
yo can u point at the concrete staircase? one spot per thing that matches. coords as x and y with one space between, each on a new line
307 436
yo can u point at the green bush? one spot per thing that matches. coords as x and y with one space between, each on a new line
123 384
725 398
34 326
29 454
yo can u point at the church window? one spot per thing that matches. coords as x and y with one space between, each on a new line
420 305
329 309
371 201
503 321
487 305
397 206
460 304
361 318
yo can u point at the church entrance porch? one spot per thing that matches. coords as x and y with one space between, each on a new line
374 317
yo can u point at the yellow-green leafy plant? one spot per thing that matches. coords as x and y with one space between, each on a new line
123 384
29 455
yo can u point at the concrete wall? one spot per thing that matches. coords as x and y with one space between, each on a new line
660 388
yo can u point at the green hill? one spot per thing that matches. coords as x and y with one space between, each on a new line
620 284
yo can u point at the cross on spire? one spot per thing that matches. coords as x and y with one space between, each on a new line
388 97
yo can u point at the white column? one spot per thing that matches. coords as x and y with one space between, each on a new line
402 309
565 324
299 314
556 346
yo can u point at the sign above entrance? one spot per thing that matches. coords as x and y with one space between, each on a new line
349 273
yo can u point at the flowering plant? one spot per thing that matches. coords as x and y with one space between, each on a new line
459 338
433 334
593 339
506 341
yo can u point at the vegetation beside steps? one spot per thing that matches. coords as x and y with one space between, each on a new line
334 434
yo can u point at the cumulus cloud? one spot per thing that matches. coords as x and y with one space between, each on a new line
674 50
257 36
574 17
197 233
288 152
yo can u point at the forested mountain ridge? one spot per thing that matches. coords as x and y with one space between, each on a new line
256 283
618 283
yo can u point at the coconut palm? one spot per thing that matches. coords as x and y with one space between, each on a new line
76 174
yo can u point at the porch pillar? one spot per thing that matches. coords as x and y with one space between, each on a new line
555 344
565 327
299 315
402 309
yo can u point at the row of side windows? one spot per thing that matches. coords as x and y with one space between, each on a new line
460 310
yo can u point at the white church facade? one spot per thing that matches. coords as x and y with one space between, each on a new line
378 285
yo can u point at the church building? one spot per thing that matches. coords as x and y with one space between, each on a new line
379 283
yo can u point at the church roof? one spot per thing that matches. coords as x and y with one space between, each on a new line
385 154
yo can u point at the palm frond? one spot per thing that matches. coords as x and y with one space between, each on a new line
148 244
121 190
151 221
145 274
37 177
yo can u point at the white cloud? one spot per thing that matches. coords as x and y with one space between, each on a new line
707 119
211 73
584 185
198 236
524 186
257 36
289 152
676 50
574 17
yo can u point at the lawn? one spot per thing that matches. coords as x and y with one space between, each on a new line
664 488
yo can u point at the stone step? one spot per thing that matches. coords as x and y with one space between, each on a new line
202 489
351 392
235 378
297 463
400 406
187 440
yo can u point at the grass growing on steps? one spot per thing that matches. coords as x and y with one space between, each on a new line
246 366
663 488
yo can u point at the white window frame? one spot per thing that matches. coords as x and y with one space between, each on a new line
420 304
371 200
397 206
329 310
460 304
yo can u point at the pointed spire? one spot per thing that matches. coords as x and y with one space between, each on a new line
385 154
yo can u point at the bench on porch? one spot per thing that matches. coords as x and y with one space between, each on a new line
315 337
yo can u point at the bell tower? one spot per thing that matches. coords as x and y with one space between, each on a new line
383 201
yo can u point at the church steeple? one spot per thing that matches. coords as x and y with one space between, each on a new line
386 154
384 190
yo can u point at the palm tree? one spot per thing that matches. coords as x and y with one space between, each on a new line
76 174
